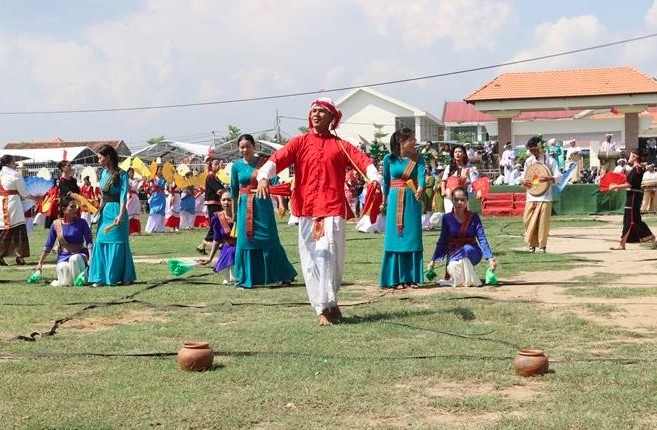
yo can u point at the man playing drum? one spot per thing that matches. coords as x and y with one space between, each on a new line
541 171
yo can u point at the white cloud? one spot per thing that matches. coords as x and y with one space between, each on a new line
557 37
468 24
651 16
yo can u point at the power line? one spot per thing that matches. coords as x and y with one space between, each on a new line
305 93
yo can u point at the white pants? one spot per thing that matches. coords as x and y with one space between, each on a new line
322 261
186 220
463 273
67 271
154 224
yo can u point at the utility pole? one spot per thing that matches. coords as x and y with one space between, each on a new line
278 128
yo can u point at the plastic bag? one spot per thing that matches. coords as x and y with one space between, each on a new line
491 277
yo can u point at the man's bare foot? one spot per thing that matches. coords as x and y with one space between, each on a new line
617 248
323 318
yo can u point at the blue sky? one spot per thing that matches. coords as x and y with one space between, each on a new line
92 54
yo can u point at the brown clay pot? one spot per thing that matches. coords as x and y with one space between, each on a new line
530 362
195 356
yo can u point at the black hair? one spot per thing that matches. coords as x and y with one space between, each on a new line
465 192
533 142
246 137
109 152
6 159
397 138
452 164
63 164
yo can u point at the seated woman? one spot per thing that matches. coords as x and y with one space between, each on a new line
222 226
72 236
463 243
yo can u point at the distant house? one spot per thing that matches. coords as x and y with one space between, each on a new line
588 125
363 107
618 100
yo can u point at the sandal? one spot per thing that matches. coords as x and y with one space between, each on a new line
20 261
400 287
617 248
413 286
201 251
3 262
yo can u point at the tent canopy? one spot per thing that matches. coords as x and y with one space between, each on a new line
76 154
192 153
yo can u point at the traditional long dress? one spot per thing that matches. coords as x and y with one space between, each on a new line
173 209
221 229
13 233
259 258
402 252
187 208
157 206
74 239
134 206
111 258
634 229
462 243
466 175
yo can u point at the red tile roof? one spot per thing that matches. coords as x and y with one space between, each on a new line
94 145
566 83
465 112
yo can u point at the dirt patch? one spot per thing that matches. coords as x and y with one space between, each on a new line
91 324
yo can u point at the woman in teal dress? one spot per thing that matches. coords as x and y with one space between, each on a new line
403 187
111 259
259 257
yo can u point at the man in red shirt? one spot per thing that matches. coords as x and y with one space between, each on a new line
320 159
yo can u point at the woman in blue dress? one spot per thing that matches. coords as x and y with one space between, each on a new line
403 186
111 259
156 203
462 243
259 257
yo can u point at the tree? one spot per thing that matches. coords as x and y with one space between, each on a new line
154 140
378 149
378 132
303 129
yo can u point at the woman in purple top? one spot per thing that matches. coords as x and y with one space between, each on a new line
462 243
72 237
221 225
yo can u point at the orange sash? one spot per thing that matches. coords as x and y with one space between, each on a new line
401 185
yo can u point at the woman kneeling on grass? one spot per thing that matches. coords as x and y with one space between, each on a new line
72 236
222 226
463 243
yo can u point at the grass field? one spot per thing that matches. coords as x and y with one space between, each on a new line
421 359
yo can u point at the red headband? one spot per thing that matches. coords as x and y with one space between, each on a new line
328 105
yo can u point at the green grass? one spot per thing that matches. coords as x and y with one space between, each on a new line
402 360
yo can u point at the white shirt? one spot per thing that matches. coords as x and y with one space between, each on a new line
607 147
507 158
572 150
554 169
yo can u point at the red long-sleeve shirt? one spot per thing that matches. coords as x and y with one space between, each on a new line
319 162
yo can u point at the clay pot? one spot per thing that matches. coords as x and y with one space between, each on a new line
195 356
530 362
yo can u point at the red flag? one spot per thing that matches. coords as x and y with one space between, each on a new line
613 110
64 155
